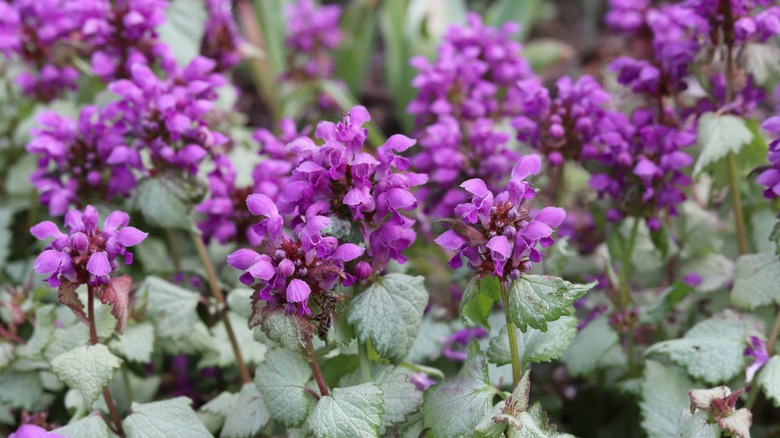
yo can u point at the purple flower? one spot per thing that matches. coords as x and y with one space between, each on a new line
82 162
770 176
464 98
757 349
339 179
505 241
455 345
33 431
293 269
87 255
627 15
421 381
221 40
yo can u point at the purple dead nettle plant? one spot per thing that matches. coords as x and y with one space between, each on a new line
89 255
465 98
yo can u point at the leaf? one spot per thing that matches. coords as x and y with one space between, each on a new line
428 345
92 426
756 281
183 29
478 300
664 396
88 368
657 310
289 331
389 314
162 203
696 425
42 335
247 415
171 307
535 300
348 412
711 351
544 53
354 52
136 343
6 236
282 380
525 13
253 351
719 135
589 347
22 389
455 406
534 424
400 397
173 418
197 341
769 379
117 294
698 229
398 72
535 345
715 270
762 61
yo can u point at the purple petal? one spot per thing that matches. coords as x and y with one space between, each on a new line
476 187
347 252
45 230
129 236
398 143
261 205
359 115
115 220
48 262
772 125
242 259
500 244
262 269
450 240
536 230
528 165
98 264
645 168
297 291
552 216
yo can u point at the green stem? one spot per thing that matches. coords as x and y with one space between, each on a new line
93 339
560 186
513 346
625 270
216 292
736 199
174 247
365 365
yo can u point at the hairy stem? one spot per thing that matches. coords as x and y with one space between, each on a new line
315 369
93 339
174 247
625 269
216 292
513 346
365 366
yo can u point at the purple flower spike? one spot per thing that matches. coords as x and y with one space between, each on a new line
87 255
757 349
33 431
506 240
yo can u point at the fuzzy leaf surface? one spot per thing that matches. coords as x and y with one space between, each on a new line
88 368
589 347
756 281
282 380
719 135
769 379
535 300
248 414
91 426
535 345
352 412
664 396
173 418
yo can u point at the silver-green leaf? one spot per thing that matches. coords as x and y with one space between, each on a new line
718 135
352 412
535 300
756 281
589 347
535 345
282 380
664 396
769 379
89 369
173 418
389 314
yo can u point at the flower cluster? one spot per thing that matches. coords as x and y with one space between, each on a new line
339 179
497 234
166 115
464 98
312 32
564 127
47 35
276 146
87 254
627 15
293 268
222 40
640 165
226 215
770 176
81 161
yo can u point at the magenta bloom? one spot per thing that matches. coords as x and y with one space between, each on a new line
499 235
82 162
464 97
87 254
222 40
292 269
456 344
757 349
338 178
33 431
770 177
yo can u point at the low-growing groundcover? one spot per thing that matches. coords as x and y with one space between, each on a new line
396 218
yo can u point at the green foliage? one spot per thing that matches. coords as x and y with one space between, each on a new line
664 397
183 29
455 406
282 380
535 300
247 414
167 201
136 344
171 307
93 426
756 281
478 299
389 314
172 418
89 369
769 379
535 345
717 136
590 347
352 412
712 351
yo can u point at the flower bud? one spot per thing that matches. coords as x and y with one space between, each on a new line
363 270
286 268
